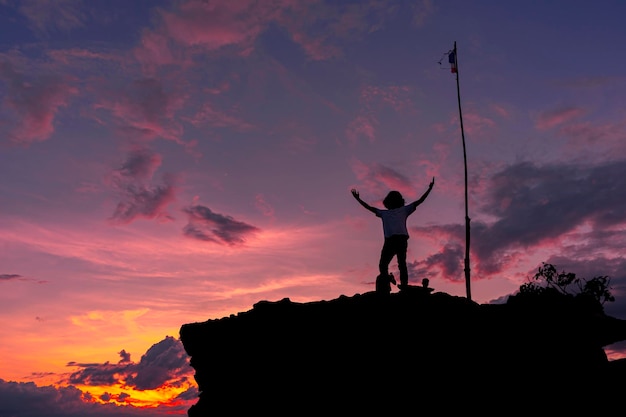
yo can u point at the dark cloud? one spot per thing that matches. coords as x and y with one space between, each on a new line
98 374
534 206
17 277
449 260
144 202
139 198
165 361
538 206
190 394
9 277
19 399
535 202
140 165
125 356
206 225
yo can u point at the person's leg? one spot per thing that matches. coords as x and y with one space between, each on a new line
386 255
401 246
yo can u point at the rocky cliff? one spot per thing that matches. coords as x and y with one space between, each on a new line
412 352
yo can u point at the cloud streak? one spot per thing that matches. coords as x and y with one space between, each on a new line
208 226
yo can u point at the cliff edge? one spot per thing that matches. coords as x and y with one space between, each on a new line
410 351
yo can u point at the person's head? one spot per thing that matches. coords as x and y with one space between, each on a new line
393 200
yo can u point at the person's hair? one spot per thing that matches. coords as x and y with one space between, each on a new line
393 200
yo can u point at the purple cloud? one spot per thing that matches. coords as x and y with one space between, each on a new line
165 362
213 227
535 206
20 399
139 199
9 277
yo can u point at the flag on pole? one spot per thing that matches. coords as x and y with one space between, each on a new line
452 61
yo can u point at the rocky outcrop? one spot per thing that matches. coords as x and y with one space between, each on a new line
407 352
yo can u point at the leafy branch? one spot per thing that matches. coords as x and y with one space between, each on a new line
567 283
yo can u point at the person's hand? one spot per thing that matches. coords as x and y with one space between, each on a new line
355 193
432 183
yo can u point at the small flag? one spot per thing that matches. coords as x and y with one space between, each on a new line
452 61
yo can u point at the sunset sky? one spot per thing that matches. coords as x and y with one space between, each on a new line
168 162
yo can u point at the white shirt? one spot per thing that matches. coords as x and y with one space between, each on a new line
394 220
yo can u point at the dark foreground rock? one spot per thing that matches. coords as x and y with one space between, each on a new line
412 352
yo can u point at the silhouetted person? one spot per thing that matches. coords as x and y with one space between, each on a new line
395 231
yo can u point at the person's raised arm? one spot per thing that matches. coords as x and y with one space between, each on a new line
355 193
423 197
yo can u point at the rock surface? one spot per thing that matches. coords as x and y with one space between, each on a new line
411 352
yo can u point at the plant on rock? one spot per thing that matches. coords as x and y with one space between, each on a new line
549 280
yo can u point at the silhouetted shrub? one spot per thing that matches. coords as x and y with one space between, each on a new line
549 283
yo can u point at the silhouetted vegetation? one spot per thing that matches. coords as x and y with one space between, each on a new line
548 281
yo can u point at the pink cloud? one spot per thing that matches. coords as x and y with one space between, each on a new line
550 119
195 26
476 123
263 206
374 98
394 96
316 25
35 102
361 126
154 49
46 15
500 111
595 139
215 25
216 118
381 179
145 110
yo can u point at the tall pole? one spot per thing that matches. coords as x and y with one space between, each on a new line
467 219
